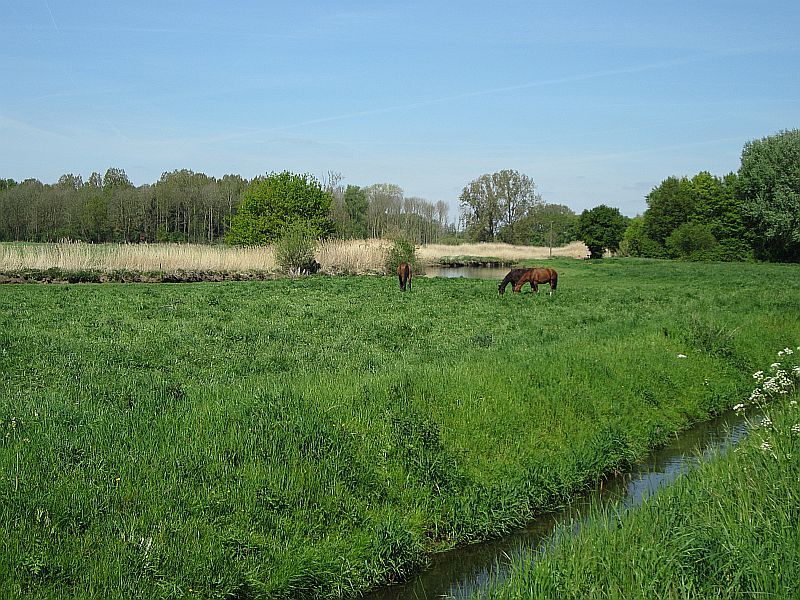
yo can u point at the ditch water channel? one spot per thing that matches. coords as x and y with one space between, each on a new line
459 573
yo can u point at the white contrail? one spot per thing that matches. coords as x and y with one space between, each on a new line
52 18
473 94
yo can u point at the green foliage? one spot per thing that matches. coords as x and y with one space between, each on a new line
355 200
402 250
544 225
496 202
270 204
601 228
684 214
669 206
690 238
294 252
769 189
635 241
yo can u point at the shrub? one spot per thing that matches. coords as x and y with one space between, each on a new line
690 238
401 251
294 252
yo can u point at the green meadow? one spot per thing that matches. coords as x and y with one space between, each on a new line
318 437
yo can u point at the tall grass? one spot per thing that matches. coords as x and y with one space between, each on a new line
726 530
79 256
321 436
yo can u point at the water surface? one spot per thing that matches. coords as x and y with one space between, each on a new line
468 272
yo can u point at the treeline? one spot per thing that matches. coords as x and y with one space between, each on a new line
753 213
699 218
184 206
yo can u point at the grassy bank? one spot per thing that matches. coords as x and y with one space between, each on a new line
320 436
730 529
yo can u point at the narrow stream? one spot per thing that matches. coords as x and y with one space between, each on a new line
459 572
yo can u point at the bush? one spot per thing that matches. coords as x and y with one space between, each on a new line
294 252
401 251
690 238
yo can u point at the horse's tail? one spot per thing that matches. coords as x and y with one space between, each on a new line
404 274
553 279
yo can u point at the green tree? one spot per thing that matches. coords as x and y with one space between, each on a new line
355 202
769 189
546 225
669 205
270 204
497 201
690 239
601 228
636 243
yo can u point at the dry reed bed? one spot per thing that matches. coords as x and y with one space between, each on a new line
335 256
432 252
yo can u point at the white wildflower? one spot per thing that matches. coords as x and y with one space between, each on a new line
788 351
775 365
681 356
796 428
758 375
739 407
766 422
766 446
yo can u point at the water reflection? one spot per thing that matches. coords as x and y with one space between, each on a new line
468 272
460 572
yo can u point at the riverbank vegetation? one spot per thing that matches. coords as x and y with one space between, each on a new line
729 529
319 436
81 262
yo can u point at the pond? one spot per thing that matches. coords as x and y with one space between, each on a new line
468 272
460 572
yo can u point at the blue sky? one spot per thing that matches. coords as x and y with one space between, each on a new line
597 102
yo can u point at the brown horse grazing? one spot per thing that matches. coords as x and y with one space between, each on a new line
404 274
514 275
536 276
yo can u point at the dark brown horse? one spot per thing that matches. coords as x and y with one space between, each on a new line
404 274
535 276
514 275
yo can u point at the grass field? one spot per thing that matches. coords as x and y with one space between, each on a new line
320 436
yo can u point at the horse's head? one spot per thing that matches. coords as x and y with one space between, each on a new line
501 288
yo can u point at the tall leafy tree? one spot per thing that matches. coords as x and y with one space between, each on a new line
271 203
546 225
769 189
601 228
497 201
669 205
